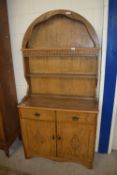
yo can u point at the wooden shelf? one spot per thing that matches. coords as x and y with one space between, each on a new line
63 75
87 52
61 103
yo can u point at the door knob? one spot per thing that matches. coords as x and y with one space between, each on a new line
53 137
59 138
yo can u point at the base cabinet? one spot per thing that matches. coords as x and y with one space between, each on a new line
59 135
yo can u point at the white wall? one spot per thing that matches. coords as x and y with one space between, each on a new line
22 12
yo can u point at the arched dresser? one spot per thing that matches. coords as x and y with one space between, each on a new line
59 113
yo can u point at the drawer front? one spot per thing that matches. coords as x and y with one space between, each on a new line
37 114
80 117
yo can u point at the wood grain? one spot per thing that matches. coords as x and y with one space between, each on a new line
63 65
47 35
60 103
63 13
79 87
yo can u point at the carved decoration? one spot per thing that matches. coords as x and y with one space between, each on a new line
75 144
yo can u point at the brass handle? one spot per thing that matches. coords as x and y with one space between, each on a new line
75 118
37 114
53 137
59 138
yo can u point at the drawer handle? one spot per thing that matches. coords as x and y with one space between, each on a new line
37 114
75 118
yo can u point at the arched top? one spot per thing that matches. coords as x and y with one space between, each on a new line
60 29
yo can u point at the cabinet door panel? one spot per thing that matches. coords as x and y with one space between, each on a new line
38 137
75 141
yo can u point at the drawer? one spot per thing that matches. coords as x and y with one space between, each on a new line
87 118
37 114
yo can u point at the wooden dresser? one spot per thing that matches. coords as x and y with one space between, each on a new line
9 120
59 113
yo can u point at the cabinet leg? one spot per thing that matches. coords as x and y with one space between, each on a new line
27 157
90 165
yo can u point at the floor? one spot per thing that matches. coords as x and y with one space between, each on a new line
103 164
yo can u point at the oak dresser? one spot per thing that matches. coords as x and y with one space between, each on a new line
59 113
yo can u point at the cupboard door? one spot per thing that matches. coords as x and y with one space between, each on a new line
39 138
75 141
